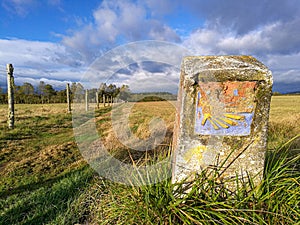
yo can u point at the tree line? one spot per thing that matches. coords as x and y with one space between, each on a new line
45 93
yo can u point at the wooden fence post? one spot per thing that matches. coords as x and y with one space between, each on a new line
86 100
10 93
68 98
97 99
104 100
107 100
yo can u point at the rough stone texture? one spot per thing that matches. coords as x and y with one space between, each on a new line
223 113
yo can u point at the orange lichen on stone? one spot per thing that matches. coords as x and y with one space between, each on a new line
238 96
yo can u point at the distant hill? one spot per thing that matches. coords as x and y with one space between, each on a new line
293 93
286 93
152 96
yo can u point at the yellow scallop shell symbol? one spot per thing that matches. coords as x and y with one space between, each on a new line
225 122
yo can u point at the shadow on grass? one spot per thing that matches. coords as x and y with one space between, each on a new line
36 185
48 200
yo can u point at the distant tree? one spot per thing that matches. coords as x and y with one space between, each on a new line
77 92
102 90
3 97
276 93
49 92
27 92
92 95
19 96
27 89
41 90
124 92
112 92
61 96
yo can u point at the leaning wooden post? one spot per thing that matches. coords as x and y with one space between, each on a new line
86 100
97 99
68 98
10 93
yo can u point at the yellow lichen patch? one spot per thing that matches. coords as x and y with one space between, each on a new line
194 153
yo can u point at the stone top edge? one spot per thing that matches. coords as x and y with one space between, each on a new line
224 62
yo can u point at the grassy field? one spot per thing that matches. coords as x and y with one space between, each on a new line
45 180
284 119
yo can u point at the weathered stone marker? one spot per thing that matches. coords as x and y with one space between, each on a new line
223 113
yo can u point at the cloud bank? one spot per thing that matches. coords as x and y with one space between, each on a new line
268 30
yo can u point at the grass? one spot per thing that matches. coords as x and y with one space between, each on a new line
275 201
42 171
45 180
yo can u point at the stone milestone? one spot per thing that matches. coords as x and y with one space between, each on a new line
222 117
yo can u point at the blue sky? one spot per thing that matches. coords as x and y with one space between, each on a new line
57 40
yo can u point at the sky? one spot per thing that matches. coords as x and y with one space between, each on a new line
58 41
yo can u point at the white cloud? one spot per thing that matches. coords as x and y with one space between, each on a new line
34 60
251 42
285 68
290 76
118 21
160 8
203 41
35 82
144 66
36 53
141 80
273 38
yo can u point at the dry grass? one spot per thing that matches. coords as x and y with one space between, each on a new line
284 107
145 120
143 113
23 111
284 122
